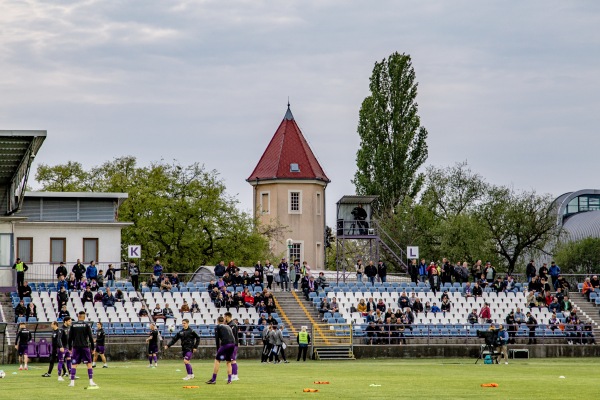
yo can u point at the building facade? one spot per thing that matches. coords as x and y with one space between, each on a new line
289 188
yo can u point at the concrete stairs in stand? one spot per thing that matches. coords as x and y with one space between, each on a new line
292 313
586 310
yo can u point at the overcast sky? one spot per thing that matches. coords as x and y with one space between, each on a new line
511 87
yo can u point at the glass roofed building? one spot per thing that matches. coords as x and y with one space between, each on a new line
578 214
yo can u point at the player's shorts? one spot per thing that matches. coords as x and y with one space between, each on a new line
225 352
99 349
81 355
234 355
187 355
22 349
67 353
152 348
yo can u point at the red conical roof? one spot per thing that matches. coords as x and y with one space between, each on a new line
287 148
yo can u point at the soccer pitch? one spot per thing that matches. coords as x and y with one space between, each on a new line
366 379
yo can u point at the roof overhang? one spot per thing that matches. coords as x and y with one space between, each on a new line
17 152
357 199
120 197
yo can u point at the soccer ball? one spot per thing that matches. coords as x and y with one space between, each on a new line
2 374
171 328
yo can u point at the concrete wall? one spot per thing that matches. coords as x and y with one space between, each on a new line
307 227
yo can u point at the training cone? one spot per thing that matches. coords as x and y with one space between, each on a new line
92 387
309 390
489 385
321 382
191 387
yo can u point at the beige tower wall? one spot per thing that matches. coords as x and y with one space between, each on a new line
306 226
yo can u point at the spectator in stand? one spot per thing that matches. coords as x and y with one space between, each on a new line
195 307
361 307
247 280
531 324
62 283
157 313
158 270
403 301
382 271
447 271
554 307
62 297
108 300
510 285
174 279
435 309
88 296
20 310
310 287
100 279
371 272
284 278
322 280
134 274
472 317
84 283
257 280
93 285
334 306
485 314
232 268
520 318
269 272
24 290
498 285
566 304
143 312
371 305
295 274
185 307
31 311
168 312
553 322
531 299
248 299
445 306
530 271
595 282
423 270
261 271
511 326
564 285
271 306
490 272
413 271
165 285
587 288
417 306
461 272
324 306
61 270
73 282
483 282
427 308
63 313
543 272
434 280
360 270
545 286
110 275
236 280
98 296
548 298
381 306
554 272
467 290
476 270
228 279
78 270
91 272
220 269
119 296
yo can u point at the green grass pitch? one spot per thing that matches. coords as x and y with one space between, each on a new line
361 379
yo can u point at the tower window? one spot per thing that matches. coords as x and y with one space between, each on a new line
294 167
295 202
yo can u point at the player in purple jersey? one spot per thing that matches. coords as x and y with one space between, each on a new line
234 328
99 349
23 338
152 341
189 344
225 348
81 341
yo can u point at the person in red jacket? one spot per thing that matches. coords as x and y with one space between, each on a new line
485 314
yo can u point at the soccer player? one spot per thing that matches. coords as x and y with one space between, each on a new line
225 348
23 337
57 348
189 344
66 356
81 340
234 329
152 341
99 350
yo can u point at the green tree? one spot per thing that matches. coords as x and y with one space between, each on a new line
392 141
580 257
69 177
518 223
181 214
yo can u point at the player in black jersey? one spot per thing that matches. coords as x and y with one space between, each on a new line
152 341
99 349
65 358
189 344
225 348
81 340
57 348
23 338
234 328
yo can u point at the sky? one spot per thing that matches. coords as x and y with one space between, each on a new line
510 87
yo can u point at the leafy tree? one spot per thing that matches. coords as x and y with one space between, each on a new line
393 143
580 257
69 177
518 223
181 214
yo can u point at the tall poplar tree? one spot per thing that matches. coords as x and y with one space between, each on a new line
392 141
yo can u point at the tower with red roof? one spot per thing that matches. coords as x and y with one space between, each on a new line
289 188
